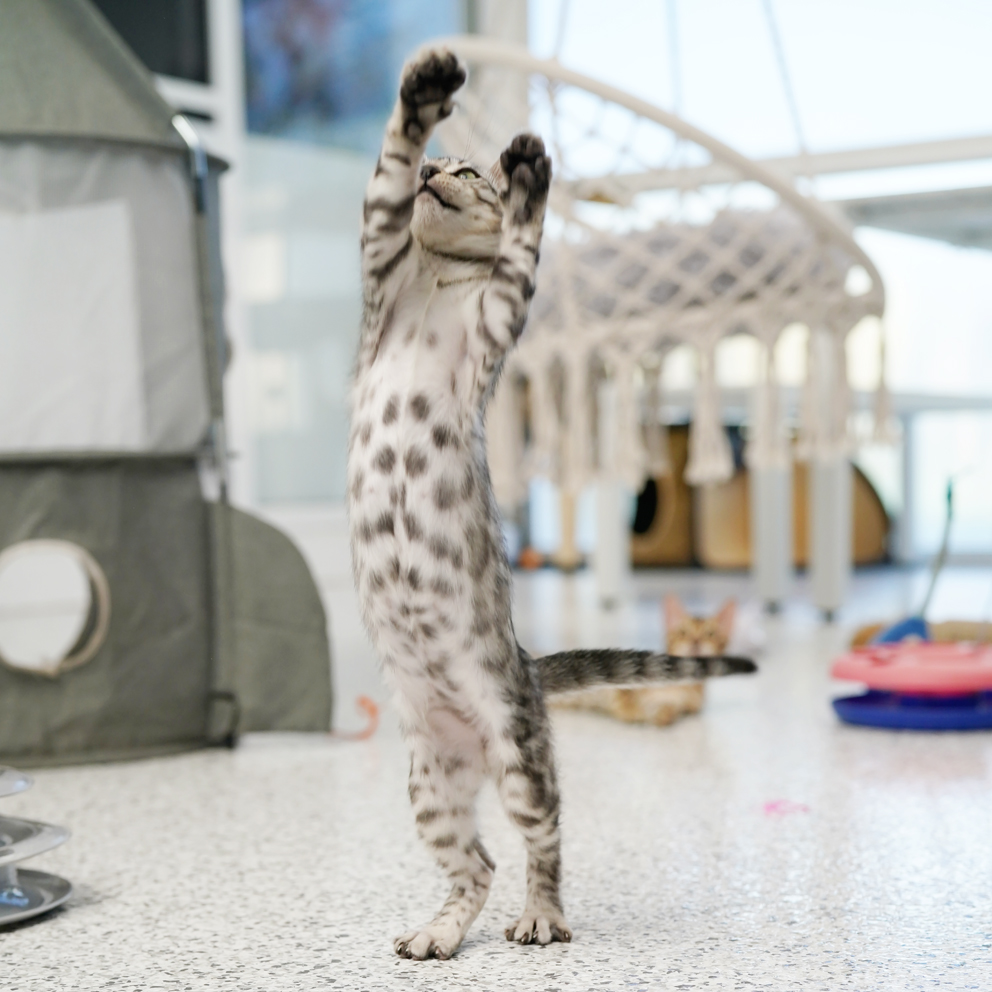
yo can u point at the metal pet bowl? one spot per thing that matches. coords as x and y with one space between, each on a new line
25 893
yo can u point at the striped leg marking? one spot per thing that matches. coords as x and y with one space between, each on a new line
443 791
529 793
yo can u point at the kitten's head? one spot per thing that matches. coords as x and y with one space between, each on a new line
686 635
457 210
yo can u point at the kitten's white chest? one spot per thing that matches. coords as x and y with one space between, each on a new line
415 487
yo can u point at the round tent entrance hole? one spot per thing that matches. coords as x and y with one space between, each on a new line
54 606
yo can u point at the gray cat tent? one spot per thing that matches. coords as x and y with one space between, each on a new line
136 615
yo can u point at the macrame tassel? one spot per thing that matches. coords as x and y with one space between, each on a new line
767 445
631 456
710 457
505 441
658 456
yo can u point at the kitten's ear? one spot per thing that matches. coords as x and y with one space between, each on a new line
497 177
675 612
725 617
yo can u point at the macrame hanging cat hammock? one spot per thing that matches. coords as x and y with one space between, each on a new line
657 235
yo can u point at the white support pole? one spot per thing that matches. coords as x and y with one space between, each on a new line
612 556
830 477
830 495
771 532
612 542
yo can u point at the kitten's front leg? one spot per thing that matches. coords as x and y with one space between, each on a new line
425 98
504 302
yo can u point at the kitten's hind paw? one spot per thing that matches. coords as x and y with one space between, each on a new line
539 928
428 942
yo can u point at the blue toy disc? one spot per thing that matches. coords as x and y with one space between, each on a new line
901 712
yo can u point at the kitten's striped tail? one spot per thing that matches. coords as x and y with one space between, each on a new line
570 670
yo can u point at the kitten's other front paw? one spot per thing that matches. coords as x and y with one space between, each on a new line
540 927
527 169
431 941
426 88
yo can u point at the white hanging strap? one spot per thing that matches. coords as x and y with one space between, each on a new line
710 457
674 56
563 12
790 94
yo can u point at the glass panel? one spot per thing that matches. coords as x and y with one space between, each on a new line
327 70
303 283
958 447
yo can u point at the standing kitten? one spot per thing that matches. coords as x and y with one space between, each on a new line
448 265
685 636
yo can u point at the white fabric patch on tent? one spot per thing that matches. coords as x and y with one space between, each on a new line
41 178
70 362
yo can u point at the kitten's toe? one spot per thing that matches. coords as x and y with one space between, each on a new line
423 944
539 928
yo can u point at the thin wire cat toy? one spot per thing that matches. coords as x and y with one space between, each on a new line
449 257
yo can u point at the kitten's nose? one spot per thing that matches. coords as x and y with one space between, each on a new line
427 171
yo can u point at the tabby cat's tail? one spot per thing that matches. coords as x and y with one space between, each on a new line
569 670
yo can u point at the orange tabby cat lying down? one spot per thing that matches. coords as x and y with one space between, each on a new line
663 704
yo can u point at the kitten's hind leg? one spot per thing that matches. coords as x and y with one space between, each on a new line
443 791
529 790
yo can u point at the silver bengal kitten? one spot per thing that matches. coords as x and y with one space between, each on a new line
448 261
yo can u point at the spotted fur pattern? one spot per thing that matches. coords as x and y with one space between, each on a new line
449 259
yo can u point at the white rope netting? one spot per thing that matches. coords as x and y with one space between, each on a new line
656 236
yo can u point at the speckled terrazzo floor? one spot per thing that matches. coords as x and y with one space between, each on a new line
289 863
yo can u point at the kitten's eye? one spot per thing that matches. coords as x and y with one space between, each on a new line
467 174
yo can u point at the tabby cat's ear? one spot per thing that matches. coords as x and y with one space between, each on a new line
725 617
675 612
497 177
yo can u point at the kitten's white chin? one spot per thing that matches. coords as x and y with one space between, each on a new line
442 230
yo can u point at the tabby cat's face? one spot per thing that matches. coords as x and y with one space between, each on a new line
697 636
456 210
689 636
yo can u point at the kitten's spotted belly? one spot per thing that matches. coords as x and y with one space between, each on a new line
424 544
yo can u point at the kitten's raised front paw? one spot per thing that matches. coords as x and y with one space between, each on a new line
539 928
431 941
527 169
428 82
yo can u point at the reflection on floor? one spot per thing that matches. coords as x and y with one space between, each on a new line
760 845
